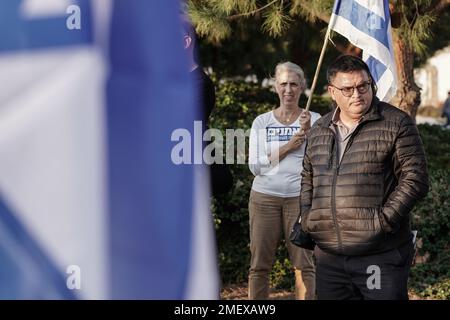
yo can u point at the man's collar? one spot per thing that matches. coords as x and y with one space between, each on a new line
371 114
374 111
335 118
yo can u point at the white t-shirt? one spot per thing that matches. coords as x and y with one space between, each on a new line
268 135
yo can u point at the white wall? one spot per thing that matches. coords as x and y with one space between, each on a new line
441 61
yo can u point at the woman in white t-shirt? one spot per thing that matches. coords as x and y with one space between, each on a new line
277 146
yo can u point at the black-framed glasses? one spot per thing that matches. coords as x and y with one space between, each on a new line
348 91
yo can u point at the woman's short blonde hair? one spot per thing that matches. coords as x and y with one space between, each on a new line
289 66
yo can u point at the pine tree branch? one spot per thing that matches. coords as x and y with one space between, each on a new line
436 7
306 4
245 14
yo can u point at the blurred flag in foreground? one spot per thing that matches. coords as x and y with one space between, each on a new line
367 25
91 205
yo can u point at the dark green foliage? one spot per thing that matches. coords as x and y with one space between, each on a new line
238 103
248 52
437 146
440 30
431 217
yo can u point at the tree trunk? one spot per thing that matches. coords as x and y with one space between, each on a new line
407 97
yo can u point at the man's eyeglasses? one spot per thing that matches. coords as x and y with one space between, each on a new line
348 91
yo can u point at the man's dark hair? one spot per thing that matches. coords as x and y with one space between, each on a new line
348 63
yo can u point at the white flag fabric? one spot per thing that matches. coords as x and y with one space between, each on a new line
367 25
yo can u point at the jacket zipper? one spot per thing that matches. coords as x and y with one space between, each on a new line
335 174
333 197
333 190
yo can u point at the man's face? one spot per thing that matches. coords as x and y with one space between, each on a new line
352 105
287 85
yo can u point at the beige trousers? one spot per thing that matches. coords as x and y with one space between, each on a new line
271 216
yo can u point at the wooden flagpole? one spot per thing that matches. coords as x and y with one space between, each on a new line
319 64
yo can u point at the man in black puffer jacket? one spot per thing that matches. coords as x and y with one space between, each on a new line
363 171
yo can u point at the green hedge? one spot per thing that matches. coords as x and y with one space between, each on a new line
431 217
237 105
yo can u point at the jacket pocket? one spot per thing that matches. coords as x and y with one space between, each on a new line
377 220
378 230
384 224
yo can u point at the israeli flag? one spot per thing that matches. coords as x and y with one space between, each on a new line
367 25
91 204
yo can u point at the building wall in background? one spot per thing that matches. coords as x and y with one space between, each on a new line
434 79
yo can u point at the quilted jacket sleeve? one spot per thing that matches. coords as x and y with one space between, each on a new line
411 169
307 188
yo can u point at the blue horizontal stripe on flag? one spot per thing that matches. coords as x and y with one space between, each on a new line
364 20
376 68
26 271
17 33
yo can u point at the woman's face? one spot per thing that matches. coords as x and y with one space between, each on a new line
287 85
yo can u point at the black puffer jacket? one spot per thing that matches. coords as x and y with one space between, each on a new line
362 205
